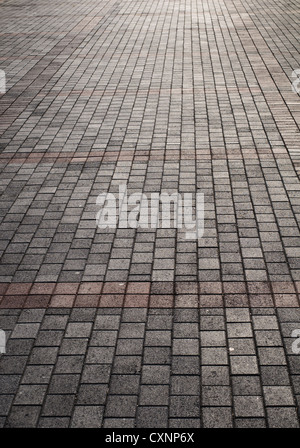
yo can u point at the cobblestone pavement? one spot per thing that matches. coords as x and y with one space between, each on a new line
142 327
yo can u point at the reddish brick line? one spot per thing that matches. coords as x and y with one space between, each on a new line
147 294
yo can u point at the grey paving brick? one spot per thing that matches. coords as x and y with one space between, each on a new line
87 417
157 355
31 315
92 394
23 417
185 385
129 347
184 406
127 364
69 364
212 323
6 402
54 322
121 406
214 356
78 330
239 330
243 365
119 423
25 331
271 356
216 396
73 346
124 384
107 322
212 338
100 355
185 347
215 375
64 384
43 355
49 338
217 417
54 422
244 346
274 375
155 374
268 338
154 395
96 373
37 374
30 394
58 405
132 330
278 396
255 422
152 417
265 323
12 365
282 417
9 383
158 338
246 385
184 423
248 406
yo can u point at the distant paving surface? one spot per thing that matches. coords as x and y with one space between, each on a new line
142 327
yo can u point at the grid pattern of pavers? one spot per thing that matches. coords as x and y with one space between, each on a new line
251 225
127 367
142 327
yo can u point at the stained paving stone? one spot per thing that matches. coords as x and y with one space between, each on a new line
143 327
216 396
215 375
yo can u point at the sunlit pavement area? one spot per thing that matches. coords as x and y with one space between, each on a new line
125 327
